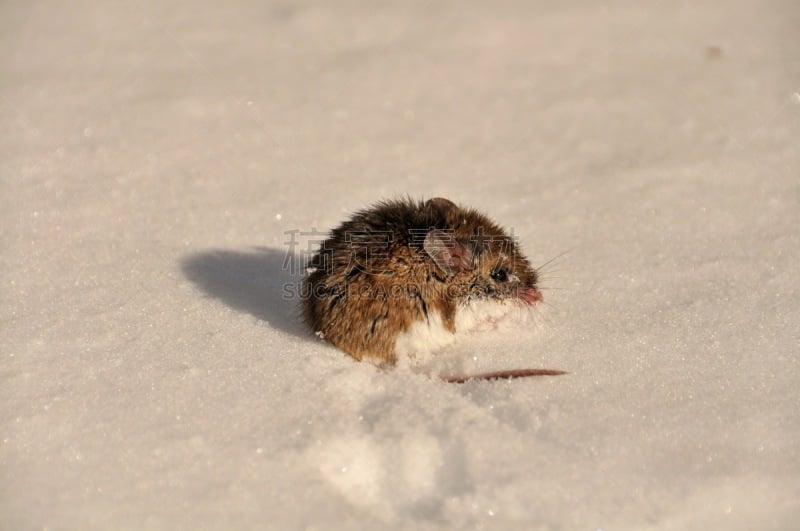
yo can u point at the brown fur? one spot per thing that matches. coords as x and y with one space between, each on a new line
384 269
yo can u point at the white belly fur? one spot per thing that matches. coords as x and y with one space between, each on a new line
427 336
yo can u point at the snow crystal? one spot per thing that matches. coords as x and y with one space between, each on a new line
156 372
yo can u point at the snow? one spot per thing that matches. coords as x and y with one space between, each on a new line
156 156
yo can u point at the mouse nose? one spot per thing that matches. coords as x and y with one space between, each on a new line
529 295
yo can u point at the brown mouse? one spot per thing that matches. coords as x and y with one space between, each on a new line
405 266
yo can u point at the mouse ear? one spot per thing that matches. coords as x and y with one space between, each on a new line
441 203
448 253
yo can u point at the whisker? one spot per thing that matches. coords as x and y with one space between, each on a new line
544 318
550 304
552 274
556 257
548 271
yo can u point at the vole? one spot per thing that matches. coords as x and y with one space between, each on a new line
406 268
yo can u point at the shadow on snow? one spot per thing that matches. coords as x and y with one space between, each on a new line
263 282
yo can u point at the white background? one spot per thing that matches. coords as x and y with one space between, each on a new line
152 156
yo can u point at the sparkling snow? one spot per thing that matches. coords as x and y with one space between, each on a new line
155 158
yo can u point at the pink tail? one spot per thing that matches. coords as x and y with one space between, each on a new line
503 375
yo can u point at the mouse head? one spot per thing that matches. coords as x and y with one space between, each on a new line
480 260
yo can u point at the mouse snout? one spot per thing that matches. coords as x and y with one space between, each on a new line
529 295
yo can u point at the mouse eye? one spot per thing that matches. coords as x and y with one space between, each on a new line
500 274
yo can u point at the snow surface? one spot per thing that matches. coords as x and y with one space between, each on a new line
154 155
